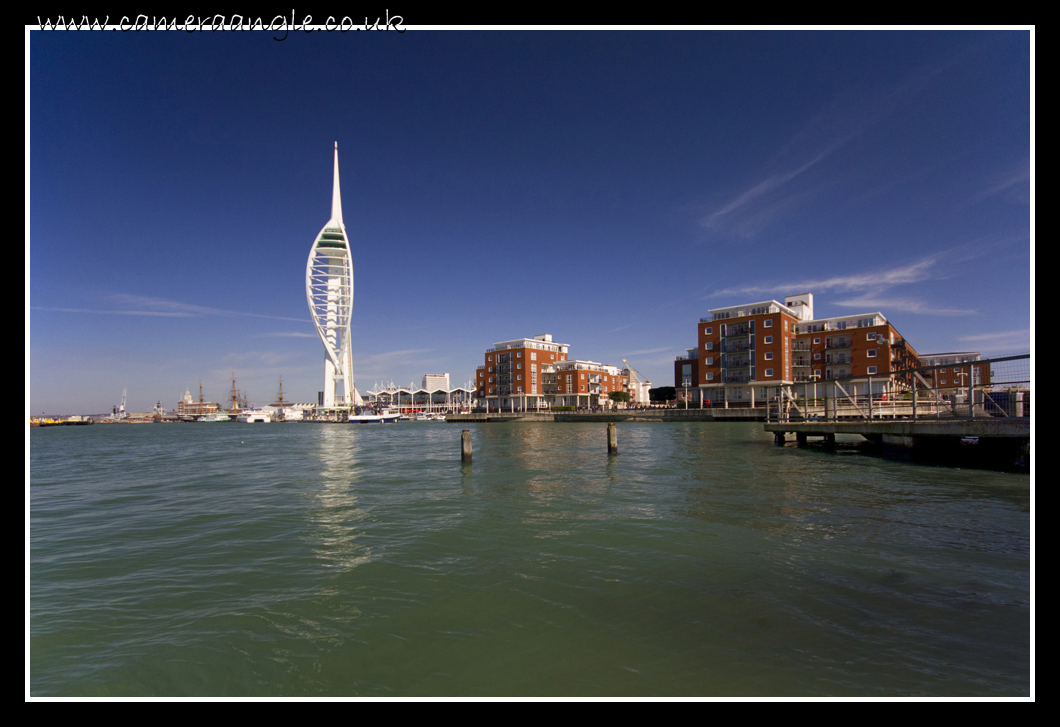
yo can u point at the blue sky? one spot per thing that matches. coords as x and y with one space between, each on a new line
607 187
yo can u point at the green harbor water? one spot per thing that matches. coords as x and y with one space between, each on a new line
342 560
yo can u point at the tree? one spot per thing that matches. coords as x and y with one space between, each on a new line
662 393
619 397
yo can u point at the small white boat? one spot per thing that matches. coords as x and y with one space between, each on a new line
254 416
384 416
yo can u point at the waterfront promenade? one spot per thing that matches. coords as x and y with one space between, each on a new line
745 414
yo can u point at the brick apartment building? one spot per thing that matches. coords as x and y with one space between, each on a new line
536 373
747 352
950 377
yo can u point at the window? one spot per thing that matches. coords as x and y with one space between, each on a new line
942 370
489 358
518 388
709 346
769 372
491 379
533 356
491 369
769 355
871 353
872 369
768 339
768 323
552 356
710 376
519 355
583 376
816 340
944 381
708 330
817 357
785 325
817 373
518 366
870 336
518 377
710 360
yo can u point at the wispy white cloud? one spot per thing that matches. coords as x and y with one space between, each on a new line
285 334
126 304
1011 184
834 126
649 350
914 272
998 340
714 219
871 288
905 305
998 335
95 311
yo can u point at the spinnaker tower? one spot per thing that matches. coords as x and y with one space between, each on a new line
329 290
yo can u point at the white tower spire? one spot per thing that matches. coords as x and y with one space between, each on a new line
336 197
329 290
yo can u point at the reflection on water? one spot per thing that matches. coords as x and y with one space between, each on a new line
336 513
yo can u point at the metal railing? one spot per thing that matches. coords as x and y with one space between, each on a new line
998 387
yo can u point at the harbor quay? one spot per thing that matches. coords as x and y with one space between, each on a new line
617 415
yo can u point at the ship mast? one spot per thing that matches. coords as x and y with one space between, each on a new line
235 395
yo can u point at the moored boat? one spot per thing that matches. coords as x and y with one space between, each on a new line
383 416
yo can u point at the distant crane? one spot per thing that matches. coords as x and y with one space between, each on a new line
635 382
119 411
634 377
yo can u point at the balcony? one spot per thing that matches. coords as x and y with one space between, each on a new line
737 363
837 343
736 378
801 362
734 346
733 331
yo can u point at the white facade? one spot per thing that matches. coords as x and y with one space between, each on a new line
329 291
434 382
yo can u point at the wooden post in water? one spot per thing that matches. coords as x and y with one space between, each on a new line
465 445
612 439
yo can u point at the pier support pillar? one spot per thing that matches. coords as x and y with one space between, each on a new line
612 439
829 440
779 437
465 445
800 439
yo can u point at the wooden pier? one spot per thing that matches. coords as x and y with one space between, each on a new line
1007 438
